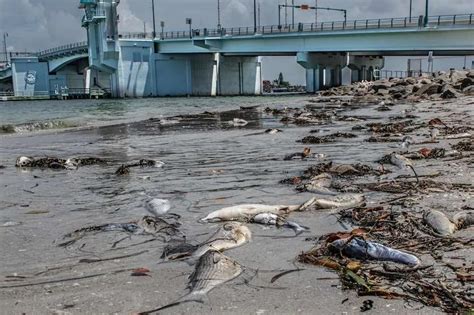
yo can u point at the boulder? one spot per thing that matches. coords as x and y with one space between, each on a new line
383 92
425 81
411 80
464 83
428 89
448 91
381 85
470 74
469 90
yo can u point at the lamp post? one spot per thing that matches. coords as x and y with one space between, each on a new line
154 23
218 14
189 21
411 6
162 24
425 23
5 35
255 16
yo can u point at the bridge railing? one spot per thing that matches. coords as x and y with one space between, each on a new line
388 23
74 47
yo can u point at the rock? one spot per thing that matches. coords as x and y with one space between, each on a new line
383 92
457 76
428 89
470 74
378 85
469 90
425 81
416 88
411 80
464 83
448 91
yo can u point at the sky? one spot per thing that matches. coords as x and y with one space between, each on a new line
34 25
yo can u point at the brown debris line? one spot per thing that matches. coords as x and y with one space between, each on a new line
326 139
402 231
393 127
424 186
357 169
467 145
124 169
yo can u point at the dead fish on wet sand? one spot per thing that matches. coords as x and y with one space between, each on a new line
279 221
146 225
238 122
340 202
464 219
361 249
319 184
273 131
246 212
439 222
402 162
158 207
213 269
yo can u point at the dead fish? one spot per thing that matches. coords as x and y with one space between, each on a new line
158 207
402 162
273 131
299 155
154 226
237 122
340 202
245 212
319 184
361 249
274 219
213 269
439 222
464 219
24 161
235 235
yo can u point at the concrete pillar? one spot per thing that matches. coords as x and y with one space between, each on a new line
240 75
314 79
215 74
258 77
346 76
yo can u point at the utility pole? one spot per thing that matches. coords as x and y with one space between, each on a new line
218 14
154 23
293 14
411 6
5 35
286 13
162 24
255 16
259 14
316 12
425 23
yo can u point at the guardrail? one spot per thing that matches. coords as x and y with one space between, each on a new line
367 24
74 47
25 93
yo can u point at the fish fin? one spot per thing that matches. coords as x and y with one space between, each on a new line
414 172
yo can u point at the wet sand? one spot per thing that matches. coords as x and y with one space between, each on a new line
208 165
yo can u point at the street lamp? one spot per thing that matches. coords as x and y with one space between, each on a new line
189 21
162 24
411 6
154 23
255 16
218 14
5 35
425 24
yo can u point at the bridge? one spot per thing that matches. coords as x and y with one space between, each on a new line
227 61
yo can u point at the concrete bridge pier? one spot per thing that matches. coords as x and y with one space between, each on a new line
360 68
322 70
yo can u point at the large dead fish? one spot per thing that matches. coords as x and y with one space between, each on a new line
339 202
319 184
235 234
361 249
464 219
246 212
212 270
439 222
402 162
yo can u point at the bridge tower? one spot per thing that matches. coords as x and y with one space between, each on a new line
101 22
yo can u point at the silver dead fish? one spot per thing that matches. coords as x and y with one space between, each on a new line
319 184
464 219
439 222
246 212
273 219
361 249
212 270
402 162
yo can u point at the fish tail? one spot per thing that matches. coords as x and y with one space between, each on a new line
414 172
186 299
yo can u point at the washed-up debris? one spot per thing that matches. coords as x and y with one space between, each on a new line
213 269
467 145
439 222
326 139
124 169
464 219
358 260
238 122
158 207
339 202
273 131
362 250
147 225
279 221
56 163
299 155
246 212
141 272
319 184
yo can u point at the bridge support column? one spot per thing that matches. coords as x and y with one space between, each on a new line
240 75
321 69
314 79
